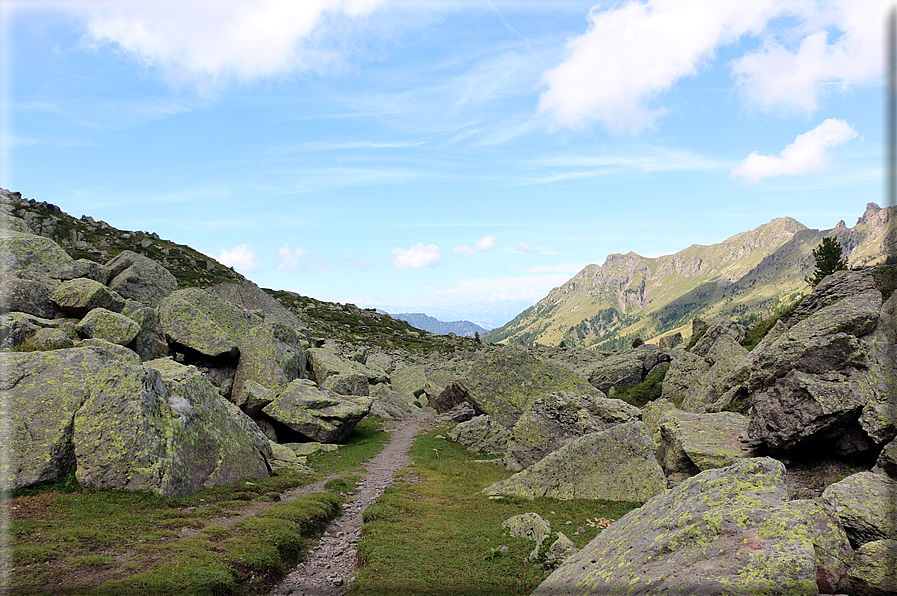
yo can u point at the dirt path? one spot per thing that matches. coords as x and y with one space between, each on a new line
330 567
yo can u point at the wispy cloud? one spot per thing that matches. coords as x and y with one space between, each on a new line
571 268
335 146
419 255
463 250
527 283
291 260
806 155
485 243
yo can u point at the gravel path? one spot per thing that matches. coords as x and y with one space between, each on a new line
330 567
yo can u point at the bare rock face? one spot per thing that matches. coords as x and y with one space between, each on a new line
725 531
558 418
617 464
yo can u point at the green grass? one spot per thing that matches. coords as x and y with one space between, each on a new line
646 391
759 331
440 536
130 542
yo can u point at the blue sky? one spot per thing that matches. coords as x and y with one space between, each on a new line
459 158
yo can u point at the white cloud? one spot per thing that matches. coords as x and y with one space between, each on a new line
485 243
419 255
463 250
289 259
571 268
806 155
778 76
631 53
240 258
615 72
527 283
211 40
526 247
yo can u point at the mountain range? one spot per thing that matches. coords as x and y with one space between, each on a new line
746 277
428 323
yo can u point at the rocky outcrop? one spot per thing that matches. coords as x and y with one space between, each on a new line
617 464
504 384
317 415
558 418
729 530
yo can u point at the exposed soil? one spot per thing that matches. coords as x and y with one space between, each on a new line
329 568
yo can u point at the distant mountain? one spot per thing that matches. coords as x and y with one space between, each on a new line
607 306
428 323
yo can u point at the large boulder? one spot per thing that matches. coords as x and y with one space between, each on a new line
559 417
16 327
271 355
415 380
725 531
100 323
168 432
251 297
389 403
504 383
140 278
626 369
150 341
874 572
42 393
866 505
691 443
26 252
481 433
77 297
326 362
317 415
27 292
202 322
834 554
617 464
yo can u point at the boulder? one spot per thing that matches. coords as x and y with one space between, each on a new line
559 417
834 554
865 505
530 526
670 341
691 443
325 362
317 415
172 435
481 433
559 551
271 355
834 287
504 383
149 343
724 531
199 321
617 464
140 278
347 384
286 458
17 327
460 413
874 572
110 326
27 292
717 328
253 398
415 380
627 368
43 391
77 297
50 338
887 460
251 297
26 252
388 403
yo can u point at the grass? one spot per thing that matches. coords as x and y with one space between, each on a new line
646 391
66 540
759 331
434 533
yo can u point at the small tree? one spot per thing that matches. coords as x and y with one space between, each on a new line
828 260
476 337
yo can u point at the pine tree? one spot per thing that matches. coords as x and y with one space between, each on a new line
476 337
828 260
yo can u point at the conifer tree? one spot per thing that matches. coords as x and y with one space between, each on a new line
828 260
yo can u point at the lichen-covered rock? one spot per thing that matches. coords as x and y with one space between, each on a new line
481 433
140 278
271 355
874 571
670 341
558 417
110 326
285 458
26 252
317 415
834 555
48 338
253 398
530 526
887 460
692 443
149 343
627 368
718 328
559 551
17 327
173 436
42 391
504 383
416 381
28 292
251 297
724 531
77 297
686 379
347 384
834 287
865 505
200 321
617 464
110 351
389 403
